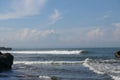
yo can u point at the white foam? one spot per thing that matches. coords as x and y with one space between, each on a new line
115 77
48 62
45 78
46 52
109 67
89 65
17 76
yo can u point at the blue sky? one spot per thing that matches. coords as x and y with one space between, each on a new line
59 23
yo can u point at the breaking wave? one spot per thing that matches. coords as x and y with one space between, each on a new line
46 52
109 67
48 62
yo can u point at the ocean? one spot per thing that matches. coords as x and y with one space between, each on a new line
64 64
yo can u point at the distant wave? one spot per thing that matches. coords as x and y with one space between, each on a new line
109 67
46 52
48 62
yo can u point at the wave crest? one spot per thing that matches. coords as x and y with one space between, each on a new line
46 52
48 62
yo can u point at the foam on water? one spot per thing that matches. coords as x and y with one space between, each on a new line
109 67
48 62
45 78
91 67
46 52
22 76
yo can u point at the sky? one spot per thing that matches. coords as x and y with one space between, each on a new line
59 23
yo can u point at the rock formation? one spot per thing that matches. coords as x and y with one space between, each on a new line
6 61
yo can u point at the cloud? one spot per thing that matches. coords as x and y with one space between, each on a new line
67 37
33 34
107 14
117 24
23 8
95 33
116 32
56 16
25 35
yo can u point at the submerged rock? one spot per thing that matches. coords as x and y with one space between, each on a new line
117 54
6 61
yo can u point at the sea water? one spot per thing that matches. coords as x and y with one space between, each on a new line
64 64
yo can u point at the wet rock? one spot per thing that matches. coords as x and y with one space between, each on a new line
6 61
117 54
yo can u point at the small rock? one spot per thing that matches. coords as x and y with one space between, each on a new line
117 54
54 78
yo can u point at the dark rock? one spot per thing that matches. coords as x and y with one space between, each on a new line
1 53
6 61
54 78
117 54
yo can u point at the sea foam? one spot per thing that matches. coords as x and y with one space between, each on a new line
109 67
92 66
45 78
47 62
46 52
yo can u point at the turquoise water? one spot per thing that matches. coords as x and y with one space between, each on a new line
64 64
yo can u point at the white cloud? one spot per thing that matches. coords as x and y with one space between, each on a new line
23 8
117 24
28 37
25 35
56 16
2 29
107 14
116 32
33 34
95 33
72 37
